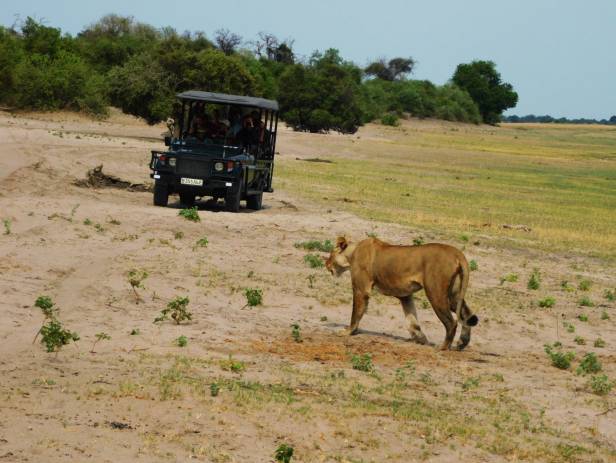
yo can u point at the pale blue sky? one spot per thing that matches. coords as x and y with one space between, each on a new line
559 55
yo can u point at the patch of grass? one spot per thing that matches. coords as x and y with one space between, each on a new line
470 383
254 296
589 364
202 242
362 362
87 222
566 286
233 365
584 285
296 333
569 327
599 343
600 384
473 265
605 315
534 282
610 295
313 261
323 318
113 221
181 341
580 341
582 317
55 336
135 332
315 245
390 119
283 453
191 214
559 359
178 235
418 241
547 302
464 238
98 337
586 302
7 226
177 309
311 279
214 389
509 278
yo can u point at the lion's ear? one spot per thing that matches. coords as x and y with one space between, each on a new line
342 243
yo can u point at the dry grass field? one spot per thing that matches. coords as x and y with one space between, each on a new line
531 206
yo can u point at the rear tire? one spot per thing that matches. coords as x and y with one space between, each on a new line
232 201
187 199
161 193
255 202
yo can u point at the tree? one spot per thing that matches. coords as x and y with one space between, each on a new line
227 41
395 69
268 46
483 83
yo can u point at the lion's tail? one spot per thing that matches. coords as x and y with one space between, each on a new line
457 294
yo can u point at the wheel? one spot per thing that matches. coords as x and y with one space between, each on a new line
232 201
161 193
255 202
187 199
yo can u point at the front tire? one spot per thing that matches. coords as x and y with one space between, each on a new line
232 201
161 194
255 202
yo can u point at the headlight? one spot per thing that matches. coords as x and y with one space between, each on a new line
172 162
218 167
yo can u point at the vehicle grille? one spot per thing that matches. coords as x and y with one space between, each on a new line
193 168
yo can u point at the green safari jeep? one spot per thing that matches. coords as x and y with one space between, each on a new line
221 146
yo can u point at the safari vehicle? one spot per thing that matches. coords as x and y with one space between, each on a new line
222 146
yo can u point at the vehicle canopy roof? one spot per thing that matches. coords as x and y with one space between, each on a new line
223 98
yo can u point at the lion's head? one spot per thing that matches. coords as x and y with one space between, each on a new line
338 261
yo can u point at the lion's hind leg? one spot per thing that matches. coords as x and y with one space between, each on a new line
440 304
471 320
410 314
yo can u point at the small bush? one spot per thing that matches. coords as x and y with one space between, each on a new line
214 389
54 336
99 337
177 309
566 286
470 383
230 364
296 333
599 343
600 384
569 327
473 265
390 119
135 332
559 359
547 302
254 297
46 305
202 242
584 285
182 341
178 235
535 280
509 278
284 453
7 226
315 245
464 237
580 341
135 279
610 295
589 364
313 261
191 214
362 362
418 241
582 317
586 302
605 315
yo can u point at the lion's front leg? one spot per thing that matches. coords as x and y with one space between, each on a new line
360 305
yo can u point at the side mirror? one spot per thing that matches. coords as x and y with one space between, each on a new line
167 141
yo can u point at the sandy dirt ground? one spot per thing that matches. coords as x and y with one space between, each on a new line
141 397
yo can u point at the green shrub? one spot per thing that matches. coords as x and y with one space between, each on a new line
254 296
509 278
182 341
191 214
605 315
586 302
177 309
418 241
296 333
313 261
589 364
566 286
54 336
7 226
102 336
559 359
547 302
362 362
473 265
600 384
535 280
316 245
390 119
46 305
284 453
580 341
599 343
214 389
610 295
582 317
202 242
584 285
230 364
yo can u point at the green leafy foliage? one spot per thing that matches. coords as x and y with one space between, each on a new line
284 453
547 302
202 242
7 226
579 340
46 305
315 245
182 341
191 214
509 278
214 389
559 359
610 295
313 261
418 241
473 265
599 343
534 282
231 364
586 302
54 336
254 296
390 119
102 336
600 384
583 317
362 362
589 364
177 309
584 285
296 333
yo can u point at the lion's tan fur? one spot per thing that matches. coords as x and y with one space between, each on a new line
399 271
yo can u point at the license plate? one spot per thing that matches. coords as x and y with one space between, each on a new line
191 181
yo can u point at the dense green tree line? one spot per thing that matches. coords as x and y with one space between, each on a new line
138 68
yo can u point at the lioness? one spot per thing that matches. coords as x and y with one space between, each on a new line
399 271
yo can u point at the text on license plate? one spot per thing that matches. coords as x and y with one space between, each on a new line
191 181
